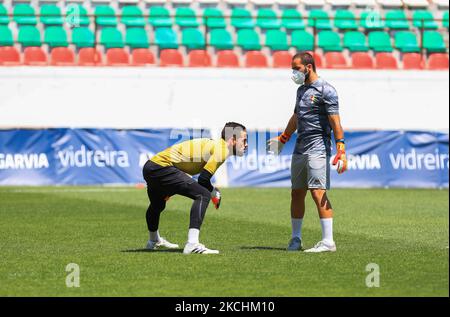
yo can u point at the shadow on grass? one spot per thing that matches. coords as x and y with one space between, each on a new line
263 248
153 251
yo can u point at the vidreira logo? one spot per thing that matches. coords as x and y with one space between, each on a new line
82 157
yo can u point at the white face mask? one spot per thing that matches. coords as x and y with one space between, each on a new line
298 77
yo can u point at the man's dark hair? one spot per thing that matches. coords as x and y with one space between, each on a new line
232 129
306 59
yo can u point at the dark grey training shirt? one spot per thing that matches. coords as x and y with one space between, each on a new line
313 105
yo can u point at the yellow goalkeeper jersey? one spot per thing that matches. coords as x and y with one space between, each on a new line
194 155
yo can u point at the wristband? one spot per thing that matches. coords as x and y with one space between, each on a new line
284 137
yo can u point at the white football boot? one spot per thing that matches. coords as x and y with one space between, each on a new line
198 248
323 246
161 244
295 244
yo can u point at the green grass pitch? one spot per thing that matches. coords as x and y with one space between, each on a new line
103 230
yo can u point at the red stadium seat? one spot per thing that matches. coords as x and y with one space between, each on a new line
255 59
142 57
438 61
412 61
9 56
362 60
317 59
282 59
199 58
34 56
62 56
335 60
170 57
386 61
227 58
117 57
89 56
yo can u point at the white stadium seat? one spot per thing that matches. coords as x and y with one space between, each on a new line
368 3
156 1
129 1
441 3
416 3
391 3
262 2
336 3
208 1
182 1
315 3
288 2
236 1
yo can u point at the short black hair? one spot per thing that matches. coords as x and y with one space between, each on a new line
306 59
234 127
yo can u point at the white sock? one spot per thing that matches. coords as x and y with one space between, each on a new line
154 235
327 229
296 227
193 235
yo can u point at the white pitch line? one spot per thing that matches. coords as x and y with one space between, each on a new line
67 190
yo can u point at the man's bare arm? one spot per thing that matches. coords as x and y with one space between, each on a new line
335 122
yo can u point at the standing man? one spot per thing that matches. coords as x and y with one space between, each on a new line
166 175
316 113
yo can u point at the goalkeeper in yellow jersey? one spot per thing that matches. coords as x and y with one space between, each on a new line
166 175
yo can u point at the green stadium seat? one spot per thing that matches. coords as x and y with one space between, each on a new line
221 39
319 19
267 19
302 40
425 19
51 15
111 37
132 16
4 19
277 40
345 20
83 37
406 42
241 19
444 20
55 36
355 41
291 19
105 16
6 37
371 20
433 42
185 17
136 38
396 20
76 15
159 17
380 41
29 36
166 38
213 18
24 14
330 41
248 39
192 38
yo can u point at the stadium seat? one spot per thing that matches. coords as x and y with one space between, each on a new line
142 57
117 57
267 19
291 19
380 41
385 60
255 59
396 20
111 38
185 17
248 39
51 15
227 58
62 56
319 19
221 39
213 18
4 18
136 38
105 16
192 39
166 38
76 15
425 19
345 20
433 42
6 36
82 37
355 41
302 40
9 56
438 61
199 58
89 56
318 59
241 19
444 20
362 60
335 60
55 36
412 61
132 16
277 40
371 20
282 59
29 36
24 14
34 56
406 42
330 41
159 17
170 57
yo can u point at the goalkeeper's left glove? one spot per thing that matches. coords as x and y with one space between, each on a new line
275 145
340 159
216 197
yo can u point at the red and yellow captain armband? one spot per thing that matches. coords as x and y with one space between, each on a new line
284 137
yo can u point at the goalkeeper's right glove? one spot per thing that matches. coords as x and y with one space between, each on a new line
216 197
275 145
